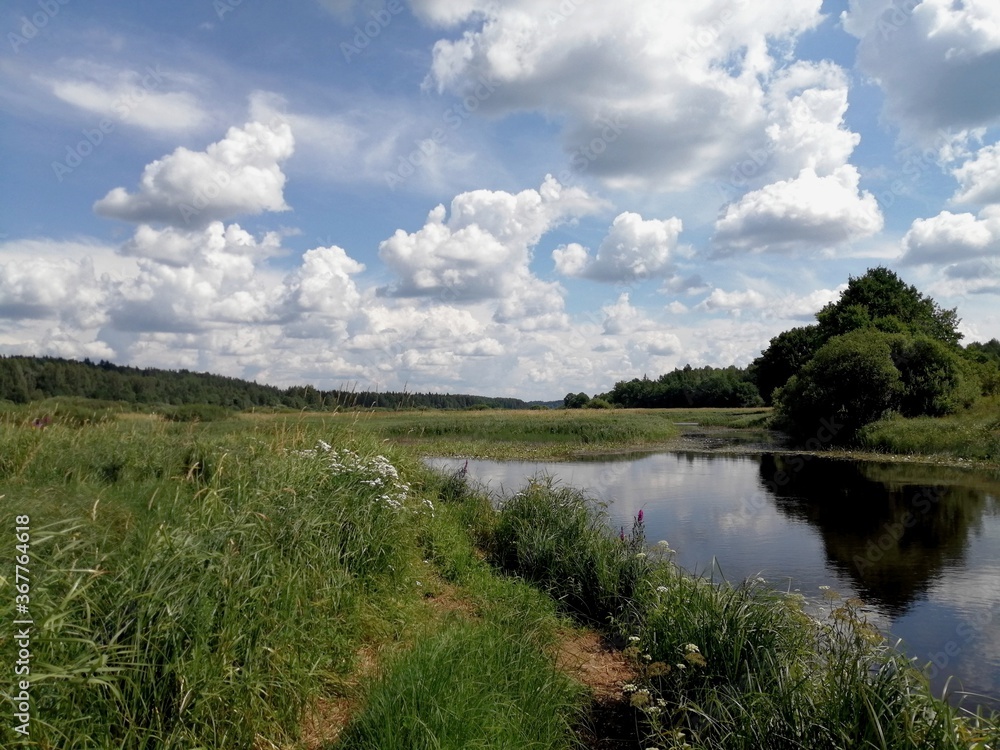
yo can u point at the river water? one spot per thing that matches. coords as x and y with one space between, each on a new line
919 544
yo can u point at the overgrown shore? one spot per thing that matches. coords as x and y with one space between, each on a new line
290 582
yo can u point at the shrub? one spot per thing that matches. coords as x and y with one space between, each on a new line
851 380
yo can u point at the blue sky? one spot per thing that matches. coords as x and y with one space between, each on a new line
512 198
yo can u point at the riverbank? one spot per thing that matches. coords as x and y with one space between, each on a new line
307 584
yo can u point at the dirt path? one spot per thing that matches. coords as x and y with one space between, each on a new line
589 659
581 654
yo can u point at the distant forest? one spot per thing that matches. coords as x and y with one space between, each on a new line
26 379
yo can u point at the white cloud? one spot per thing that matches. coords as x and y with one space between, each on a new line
323 284
132 97
179 247
807 103
948 237
194 281
634 249
654 95
770 304
935 60
241 174
807 212
482 249
61 289
733 302
980 177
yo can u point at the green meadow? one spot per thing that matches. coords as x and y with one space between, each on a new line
303 581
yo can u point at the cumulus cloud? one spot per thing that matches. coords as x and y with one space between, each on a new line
61 289
733 302
482 248
323 284
806 130
809 211
241 174
179 247
934 60
787 306
947 237
656 95
634 249
194 281
979 177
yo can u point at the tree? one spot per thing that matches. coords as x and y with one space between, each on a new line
880 299
575 400
856 378
850 382
785 356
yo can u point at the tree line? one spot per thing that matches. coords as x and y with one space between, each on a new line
883 347
24 379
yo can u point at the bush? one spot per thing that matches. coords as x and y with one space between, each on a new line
935 380
557 538
857 378
851 381
597 403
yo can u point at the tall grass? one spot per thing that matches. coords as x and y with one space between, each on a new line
195 592
472 685
556 537
973 434
726 666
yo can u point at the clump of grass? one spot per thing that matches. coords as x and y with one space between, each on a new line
556 537
470 685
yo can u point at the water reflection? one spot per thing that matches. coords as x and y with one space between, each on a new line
890 531
920 544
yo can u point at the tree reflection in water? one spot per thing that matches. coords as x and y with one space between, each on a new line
892 528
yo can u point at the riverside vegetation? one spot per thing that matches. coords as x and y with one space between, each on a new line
279 582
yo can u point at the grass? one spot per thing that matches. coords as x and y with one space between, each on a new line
551 434
209 584
470 685
971 435
726 666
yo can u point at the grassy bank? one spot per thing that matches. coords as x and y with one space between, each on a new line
553 434
303 583
971 435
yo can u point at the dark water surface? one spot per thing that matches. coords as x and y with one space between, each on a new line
919 544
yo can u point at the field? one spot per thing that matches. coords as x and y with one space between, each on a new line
301 581
554 434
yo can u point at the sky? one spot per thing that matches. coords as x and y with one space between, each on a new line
521 198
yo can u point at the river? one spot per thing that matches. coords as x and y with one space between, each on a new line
919 544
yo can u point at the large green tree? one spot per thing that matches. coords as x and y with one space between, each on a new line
880 299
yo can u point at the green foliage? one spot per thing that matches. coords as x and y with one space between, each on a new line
850 381
469 686
857 378
187 608
597 403
880 299
787 353
972 434
25 379
194 413
688 388
575 400
935 379
557 538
